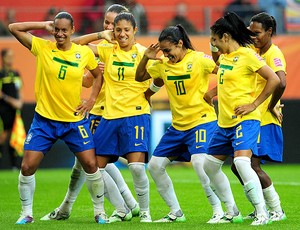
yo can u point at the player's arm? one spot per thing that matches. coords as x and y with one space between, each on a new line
21 31
215 53
141 71
88 38
86 106
155 86
88 78
277 94
279 90
272 82
209 95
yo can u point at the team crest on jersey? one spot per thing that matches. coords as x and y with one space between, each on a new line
235 59
78 56
189 67
133 56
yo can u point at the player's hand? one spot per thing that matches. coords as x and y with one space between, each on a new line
277 112
152 51
49 26
101 66
109 36
208 98
84 108
244 109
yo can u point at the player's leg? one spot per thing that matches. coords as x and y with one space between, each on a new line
94 182
134 144
38 141
197 146
79 139
77 180
157 168
26 186
271 148
116 175
107 145
3 137
213 168
245 144
270 195
198 161
122 212
218 144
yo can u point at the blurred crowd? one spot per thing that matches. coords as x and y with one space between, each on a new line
92 14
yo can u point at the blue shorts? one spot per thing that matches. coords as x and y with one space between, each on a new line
243 136
117 137
182 144
270 143
43 133
94 122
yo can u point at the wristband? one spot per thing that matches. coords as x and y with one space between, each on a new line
213 48
154 88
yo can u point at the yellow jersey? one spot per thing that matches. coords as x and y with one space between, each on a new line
276 61
58 82
237 85
186 83
124 96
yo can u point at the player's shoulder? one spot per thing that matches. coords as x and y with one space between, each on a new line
105 43
274 50
139 47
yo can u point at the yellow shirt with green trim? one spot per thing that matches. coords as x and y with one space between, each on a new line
275 59
186 83
58 82
124 95
237 85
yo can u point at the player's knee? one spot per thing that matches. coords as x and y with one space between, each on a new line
90 166
137 169
156 165
27 169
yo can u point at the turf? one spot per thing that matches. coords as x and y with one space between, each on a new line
51 186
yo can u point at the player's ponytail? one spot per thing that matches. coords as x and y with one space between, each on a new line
232 24
175 33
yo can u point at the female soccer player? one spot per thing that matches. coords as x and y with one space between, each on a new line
59 113
238 120
185 73
270 145
78 177
125 126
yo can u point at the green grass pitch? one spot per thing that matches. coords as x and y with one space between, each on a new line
51 186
